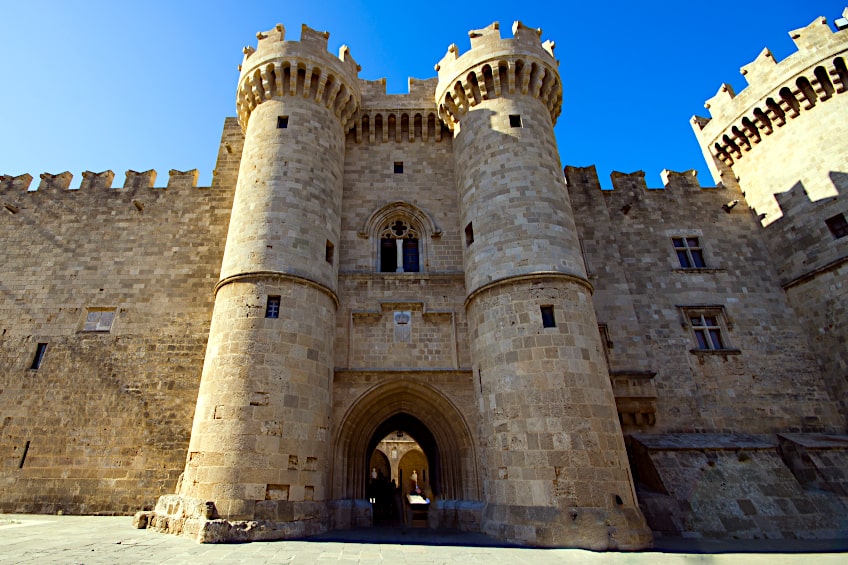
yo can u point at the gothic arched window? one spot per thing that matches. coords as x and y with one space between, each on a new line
399 248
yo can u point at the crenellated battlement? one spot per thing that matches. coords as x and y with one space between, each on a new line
277 68
420 94
91 180
496 66
50 182
777 92
673 181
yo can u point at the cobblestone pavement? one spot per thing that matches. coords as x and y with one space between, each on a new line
112 539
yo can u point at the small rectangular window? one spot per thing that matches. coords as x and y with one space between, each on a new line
398 167
689 252
282 122
548 320
99 320
329 251
708 327
39 356
837 226
469 234
515 121
272 309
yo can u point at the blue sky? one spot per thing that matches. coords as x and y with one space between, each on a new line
119 85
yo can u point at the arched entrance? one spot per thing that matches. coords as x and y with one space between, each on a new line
405 469
427 416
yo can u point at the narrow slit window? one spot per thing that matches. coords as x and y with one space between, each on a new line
548 319
515 121
398 167
23 455
469 234
329 252
39 356
272 309
282 122
837 226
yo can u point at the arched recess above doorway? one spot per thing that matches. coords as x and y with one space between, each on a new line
430 417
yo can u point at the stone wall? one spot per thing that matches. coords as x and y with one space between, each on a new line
764 377
783 140
103 424
733 485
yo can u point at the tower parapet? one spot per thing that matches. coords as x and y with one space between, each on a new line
777 93
784 139
495 66
276 67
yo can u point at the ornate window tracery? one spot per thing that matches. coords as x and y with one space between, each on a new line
401 235
399 247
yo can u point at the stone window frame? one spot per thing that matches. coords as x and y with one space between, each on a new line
706 252
714 321
98 319
418 221
689 251
272 306
400 231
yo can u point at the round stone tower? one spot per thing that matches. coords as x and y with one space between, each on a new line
784 141
259 446
555 471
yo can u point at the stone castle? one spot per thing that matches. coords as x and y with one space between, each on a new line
569 366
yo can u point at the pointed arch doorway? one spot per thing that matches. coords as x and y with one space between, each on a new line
426 415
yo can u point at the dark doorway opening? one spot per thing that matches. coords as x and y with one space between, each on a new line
403 456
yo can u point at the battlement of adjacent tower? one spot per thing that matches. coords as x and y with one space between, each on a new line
487 43
276 67
777 92
495 66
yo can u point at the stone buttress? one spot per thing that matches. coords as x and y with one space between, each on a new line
555 470
258 464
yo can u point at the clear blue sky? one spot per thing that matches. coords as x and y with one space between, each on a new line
138 85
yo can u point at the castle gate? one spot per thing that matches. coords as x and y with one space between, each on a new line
426 415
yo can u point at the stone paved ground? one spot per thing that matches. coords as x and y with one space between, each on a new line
98 539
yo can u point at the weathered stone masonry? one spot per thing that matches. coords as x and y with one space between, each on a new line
578 366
